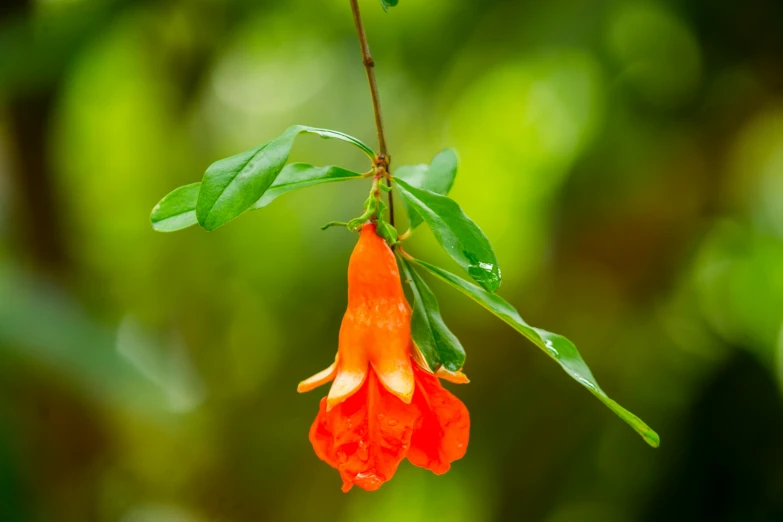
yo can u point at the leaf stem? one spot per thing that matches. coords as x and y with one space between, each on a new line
383 159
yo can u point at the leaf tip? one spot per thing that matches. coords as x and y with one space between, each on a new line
651 437
208 222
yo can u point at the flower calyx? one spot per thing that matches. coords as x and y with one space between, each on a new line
374 207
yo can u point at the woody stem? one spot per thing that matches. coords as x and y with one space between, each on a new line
369 66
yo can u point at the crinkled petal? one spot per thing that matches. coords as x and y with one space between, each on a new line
442 435
318 379
366 436
321 436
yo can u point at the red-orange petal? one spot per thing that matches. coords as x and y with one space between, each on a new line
366 436
442 435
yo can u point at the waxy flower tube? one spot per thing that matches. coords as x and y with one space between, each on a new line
382 407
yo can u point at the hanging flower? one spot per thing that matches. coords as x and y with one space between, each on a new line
382 407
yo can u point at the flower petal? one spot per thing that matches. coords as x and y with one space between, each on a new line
318 379
366 436
347 382
456 377
352 361
396 376
321 436
442 435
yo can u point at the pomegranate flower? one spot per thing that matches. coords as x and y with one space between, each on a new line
382 407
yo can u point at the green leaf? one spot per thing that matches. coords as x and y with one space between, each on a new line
387 232
437 177
556 346
462 239
296 176
335 135
386 4
177 210
433 339
232 185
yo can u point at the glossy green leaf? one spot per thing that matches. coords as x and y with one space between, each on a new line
232 185
437 345
556 346
437 177
457 233
334 135
296 176
177 210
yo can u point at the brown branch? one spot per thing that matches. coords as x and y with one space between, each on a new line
383 159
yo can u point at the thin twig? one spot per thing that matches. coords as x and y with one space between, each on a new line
369 66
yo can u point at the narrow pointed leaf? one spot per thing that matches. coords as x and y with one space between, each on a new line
232 185
437 177
462 239
296 176
177 210
556 346
437 345
336 135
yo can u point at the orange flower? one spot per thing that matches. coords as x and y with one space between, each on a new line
382 407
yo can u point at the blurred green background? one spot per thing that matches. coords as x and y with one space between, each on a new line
625 158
